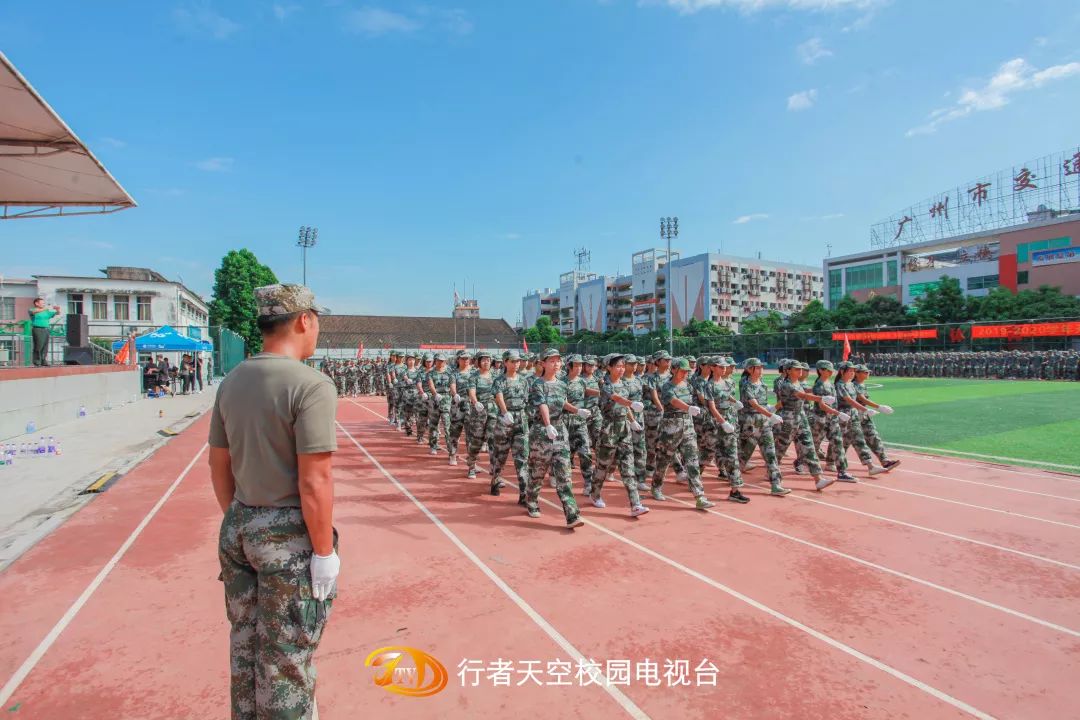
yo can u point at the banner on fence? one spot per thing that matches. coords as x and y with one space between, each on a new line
441 346
874 336
1021 331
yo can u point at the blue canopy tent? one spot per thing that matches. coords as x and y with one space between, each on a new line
165 339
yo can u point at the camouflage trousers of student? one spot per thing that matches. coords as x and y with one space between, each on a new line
577 432
550 456
481 430
408 400
616 451
637 439
511 440
652 432
265 557
853 436
827 427
595 424
726 450
439 414
705 428
420 411
391 404
873 439
676 436
459 413
796 429
757 433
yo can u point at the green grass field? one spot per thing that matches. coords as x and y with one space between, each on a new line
1028 420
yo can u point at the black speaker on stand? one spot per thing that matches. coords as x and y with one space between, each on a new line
78 350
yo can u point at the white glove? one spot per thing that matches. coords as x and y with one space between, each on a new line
776 420
324 572
479 406
508 419
423 396
694 410
457 398
584 414
885 409
829 400
636 426
551 432
871 412
438 397
727 427
636 406
738 405
844 417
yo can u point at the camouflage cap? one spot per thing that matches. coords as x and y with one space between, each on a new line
721 361
845 365
428 357
752 362
680 363
824 365
663 355
803 366
613 358
440 356
730 360
861 369
783 364
284 299
464 354
511 355
483 354
691 359
590 360
631 359
550 353
575 358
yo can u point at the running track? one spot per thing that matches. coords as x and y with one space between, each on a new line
948 588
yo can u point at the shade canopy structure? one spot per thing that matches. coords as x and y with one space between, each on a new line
45 170
165 339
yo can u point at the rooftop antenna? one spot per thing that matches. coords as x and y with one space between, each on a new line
828 249
584 258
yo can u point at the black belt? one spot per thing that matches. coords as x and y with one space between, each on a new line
676 414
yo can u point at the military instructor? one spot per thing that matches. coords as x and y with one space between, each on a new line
272 441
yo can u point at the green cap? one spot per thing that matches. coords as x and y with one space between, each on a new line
862 369
483 354
803 366
632 359
511 355
845 365
440 356
575 358
721 361
428 357
824 365
751 362
662 355
590 360
691 359
680 364
550 353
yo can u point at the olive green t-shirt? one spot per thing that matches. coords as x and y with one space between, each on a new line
268 410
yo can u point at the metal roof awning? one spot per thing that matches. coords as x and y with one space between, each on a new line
45 170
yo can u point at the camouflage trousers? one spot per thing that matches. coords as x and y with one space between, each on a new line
577 432
705 427
796 429
616 450
873 439
439 414
853 435
511 439
407 412
265 557
391 404
458 415
676 435
726 449
827 427
481 430
637 439
595 423
420 412
754 432
652 432
550 456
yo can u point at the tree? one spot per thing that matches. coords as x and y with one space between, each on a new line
543 332
942 304
772 322
704 328
1046 302
815 316
233 306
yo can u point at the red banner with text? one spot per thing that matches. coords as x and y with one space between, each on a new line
875 335
1021 331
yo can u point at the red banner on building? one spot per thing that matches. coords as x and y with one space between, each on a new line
1022 331
441 346
650 301
876 335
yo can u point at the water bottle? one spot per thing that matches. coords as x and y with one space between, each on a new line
51 448
24 449
41 446
82 411
31 427
58 448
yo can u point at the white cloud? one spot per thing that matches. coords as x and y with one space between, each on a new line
113 142
374 21
802 100
282 11
215 164
750 6
743 219
1012 77
202 21
812 50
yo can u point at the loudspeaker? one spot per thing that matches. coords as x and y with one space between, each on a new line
78 355
78 331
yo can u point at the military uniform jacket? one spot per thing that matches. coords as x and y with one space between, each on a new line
552 394
515 391
670 391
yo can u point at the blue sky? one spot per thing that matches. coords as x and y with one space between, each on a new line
434 143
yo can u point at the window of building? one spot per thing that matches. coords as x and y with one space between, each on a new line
863 277
75 304
142 303
835 290
892 272
1022 277
983 282
920 289
122 307
100 307
7 308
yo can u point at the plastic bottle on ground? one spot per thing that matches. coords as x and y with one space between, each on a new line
51 447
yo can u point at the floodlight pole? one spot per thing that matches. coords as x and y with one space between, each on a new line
669 228
306 239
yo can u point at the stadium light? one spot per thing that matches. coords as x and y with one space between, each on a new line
669 228
306 239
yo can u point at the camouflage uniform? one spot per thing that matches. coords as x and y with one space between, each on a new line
795 427
592 404
547 455
513 437
725 445
410 398
439 412
853 434
869 430
265 556
635 392
578 431
704 427
676 436
616 446
755 431
827 427
481 422
422 399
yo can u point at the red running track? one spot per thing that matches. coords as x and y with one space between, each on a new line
862 601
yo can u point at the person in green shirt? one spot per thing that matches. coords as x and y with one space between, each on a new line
40 319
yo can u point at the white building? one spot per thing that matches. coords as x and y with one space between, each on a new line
127 299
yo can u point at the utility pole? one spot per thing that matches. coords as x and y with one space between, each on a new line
306 239
669 228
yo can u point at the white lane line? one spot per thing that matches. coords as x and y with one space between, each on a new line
983 465
991 485
1010 513
883 518
43 647
818 635
890 571
627 704
946 451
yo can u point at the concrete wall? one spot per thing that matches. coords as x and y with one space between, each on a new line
53 399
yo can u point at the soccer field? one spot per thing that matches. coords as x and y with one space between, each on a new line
1027 421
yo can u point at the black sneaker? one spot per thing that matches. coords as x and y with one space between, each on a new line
890 464
521 501
737 496
495 490
844 477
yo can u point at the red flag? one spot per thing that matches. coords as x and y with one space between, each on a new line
122 354
360 349
847 347
524 345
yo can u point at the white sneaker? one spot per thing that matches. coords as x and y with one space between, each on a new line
553 484
801 470
831 467
599 502
453 459
824 482
643 487
875 469
638 510
433 451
